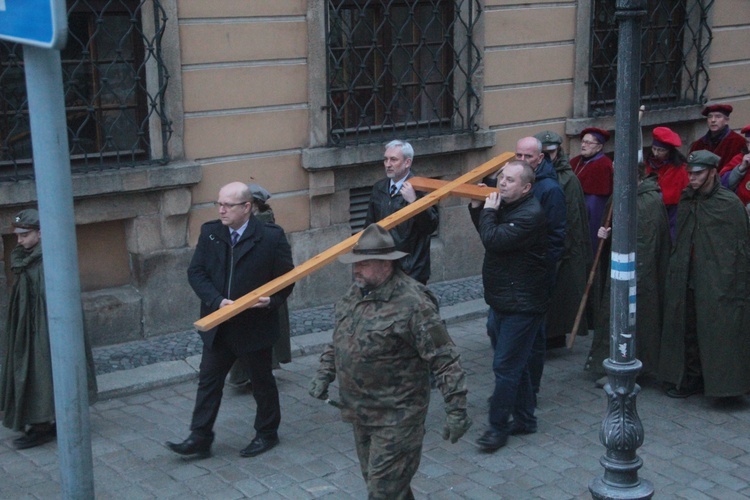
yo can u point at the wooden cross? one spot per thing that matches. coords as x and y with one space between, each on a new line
439 190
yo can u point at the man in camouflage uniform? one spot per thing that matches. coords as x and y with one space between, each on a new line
388 338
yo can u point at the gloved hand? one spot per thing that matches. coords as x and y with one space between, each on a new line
457 422
319 387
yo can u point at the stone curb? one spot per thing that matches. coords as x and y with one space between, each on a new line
144 378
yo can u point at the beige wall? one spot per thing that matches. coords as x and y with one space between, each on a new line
249 108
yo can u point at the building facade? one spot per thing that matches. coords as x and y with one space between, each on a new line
168 100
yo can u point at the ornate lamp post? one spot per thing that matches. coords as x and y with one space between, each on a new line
622 432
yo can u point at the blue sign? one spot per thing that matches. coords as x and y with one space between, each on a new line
42 23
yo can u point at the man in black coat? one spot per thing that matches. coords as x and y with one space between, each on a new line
395 192
235 255
513 230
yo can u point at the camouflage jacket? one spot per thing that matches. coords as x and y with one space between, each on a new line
384 346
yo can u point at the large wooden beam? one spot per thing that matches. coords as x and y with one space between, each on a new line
324 258
465 191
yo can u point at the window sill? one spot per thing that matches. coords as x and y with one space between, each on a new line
148 178
574 126
319 159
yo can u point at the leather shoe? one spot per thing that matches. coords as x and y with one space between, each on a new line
685 391
36 436
492 440
259 445
201 448
520 430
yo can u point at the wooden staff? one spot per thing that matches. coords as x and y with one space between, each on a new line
590 282
324 258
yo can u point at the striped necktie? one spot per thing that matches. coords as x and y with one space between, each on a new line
235 237
394 190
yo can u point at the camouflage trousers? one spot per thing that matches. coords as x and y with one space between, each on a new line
389 457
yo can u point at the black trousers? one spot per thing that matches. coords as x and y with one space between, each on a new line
215 364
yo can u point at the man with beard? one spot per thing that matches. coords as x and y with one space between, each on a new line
388 339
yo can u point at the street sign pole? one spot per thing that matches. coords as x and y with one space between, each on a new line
54 190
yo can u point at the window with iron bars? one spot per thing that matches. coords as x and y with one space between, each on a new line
675 39
400 67
109 106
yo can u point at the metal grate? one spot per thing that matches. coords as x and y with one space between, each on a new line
400 68
675 39
359 199
109 107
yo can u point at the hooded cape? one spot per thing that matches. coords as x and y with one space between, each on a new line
651 261
712 256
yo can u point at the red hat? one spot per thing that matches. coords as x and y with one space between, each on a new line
601 135
664 136
746 131
721 108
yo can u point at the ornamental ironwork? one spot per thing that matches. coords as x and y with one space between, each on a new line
402 68
111 105
675 39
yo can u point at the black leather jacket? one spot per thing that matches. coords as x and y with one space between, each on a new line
515 268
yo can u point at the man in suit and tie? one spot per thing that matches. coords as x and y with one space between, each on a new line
235 255
395 192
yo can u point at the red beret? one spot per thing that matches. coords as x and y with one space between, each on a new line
746 131
601 135
721 108
666 136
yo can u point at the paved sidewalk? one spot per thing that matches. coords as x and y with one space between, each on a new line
694 448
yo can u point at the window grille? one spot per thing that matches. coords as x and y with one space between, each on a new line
675 39
109 106
403 68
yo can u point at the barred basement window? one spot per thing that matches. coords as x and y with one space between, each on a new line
401 68
675 40
109 106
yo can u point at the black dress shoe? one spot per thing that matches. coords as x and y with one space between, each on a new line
492 440
201 448
259 445
36 436
685 391
518 429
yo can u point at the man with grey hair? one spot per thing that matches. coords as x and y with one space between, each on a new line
395 192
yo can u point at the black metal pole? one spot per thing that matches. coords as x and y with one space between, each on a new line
621 431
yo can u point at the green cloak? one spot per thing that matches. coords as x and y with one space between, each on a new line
26 390
712 256
651 261
576 260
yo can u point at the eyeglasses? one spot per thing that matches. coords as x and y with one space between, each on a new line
229 205
590 143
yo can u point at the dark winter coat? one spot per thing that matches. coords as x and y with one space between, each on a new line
547 190
515 271
712 256
575 264
411 236
218 271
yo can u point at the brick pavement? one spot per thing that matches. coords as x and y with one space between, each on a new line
694 448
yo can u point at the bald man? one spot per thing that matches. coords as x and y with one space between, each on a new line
236 254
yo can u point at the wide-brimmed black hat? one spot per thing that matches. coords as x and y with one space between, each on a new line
374 243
